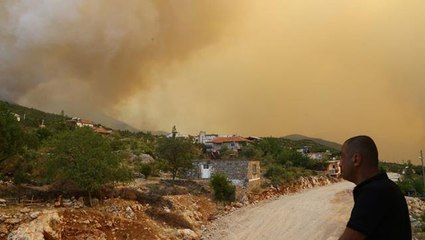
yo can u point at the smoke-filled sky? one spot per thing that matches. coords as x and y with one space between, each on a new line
330 69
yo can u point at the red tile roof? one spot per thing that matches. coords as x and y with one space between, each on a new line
101 130
84 121
229 139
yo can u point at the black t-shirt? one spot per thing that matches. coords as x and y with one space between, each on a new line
380 210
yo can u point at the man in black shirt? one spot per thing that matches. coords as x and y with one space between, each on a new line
380 210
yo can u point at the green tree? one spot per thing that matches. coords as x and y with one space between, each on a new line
411 181
270 146
12 138
295 158
146 169
223 189
251 152
178 154
85 159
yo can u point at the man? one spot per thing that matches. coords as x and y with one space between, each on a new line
380 209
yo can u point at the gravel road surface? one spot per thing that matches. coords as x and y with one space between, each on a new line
318 213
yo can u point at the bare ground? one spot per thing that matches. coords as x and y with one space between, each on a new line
318 213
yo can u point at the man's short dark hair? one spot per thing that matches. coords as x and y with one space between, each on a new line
365 146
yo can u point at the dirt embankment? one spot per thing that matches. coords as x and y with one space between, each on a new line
159 211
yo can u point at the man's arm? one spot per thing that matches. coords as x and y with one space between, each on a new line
350 234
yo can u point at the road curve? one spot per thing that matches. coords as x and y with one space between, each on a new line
318 213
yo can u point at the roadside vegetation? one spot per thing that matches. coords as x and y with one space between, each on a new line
411 180
223 189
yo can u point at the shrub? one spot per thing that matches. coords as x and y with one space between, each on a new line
223 189
146 170
279 174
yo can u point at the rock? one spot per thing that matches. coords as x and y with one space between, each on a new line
34 215
237 205
187 234
146 158
86 222
12 220
244 199
94 202
79 203
3 229
129 213
58 203
67 203
25 210
38 228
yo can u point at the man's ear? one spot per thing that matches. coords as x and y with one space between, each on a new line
357 159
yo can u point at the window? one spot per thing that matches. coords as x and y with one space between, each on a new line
254 169
206 166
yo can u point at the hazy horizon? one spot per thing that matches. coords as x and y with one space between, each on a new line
325 69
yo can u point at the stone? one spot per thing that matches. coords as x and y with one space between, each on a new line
3 229
12 220
58 203
95 202
146 158
38 228
86 222
67 203
129 212
167 210
34 215
79 203
187 234
25 210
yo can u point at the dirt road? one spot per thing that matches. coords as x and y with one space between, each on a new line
319 213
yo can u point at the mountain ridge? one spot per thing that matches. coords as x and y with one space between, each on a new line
298 137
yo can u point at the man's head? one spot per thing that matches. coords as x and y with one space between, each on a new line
359 158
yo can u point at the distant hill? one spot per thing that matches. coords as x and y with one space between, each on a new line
298 137
115 124
34 117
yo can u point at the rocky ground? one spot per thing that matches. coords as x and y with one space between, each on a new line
148 210
136 213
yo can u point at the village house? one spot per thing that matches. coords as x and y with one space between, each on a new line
318 155
204 138
82 122
102 130
240 172
333 168
234 143
17 116
85 123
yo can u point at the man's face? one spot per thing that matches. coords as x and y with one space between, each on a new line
346 164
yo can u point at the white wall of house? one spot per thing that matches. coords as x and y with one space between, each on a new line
205 138
235 146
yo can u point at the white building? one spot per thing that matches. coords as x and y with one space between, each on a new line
204 138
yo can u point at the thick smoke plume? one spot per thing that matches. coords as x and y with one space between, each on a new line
87 56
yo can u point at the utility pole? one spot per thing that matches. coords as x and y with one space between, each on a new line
423 172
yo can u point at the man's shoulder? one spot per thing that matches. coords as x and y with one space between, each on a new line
380 188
